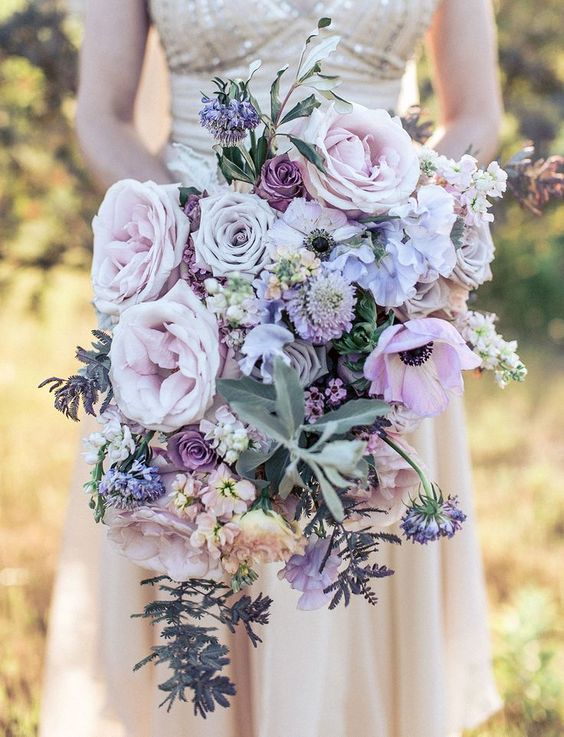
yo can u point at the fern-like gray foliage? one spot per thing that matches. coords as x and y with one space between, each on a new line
89 384
191 648
355 548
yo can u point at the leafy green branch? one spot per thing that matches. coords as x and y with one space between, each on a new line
278 411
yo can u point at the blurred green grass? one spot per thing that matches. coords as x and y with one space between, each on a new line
519 472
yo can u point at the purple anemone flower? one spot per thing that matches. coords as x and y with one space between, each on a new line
419 363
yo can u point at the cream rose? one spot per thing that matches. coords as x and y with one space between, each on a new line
231 233
370 160
264 537
164 361
140 233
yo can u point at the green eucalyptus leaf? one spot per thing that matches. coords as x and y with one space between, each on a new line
247 390
324 22
260 152
231 171
290 479
275 94
249 163
302 109
317 54
309 152
355 413
276 465
334 503
250 460
324 82
185 192
342 455
290 399
270 425
342 106
254 66
457 232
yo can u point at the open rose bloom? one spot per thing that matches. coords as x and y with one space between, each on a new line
272 341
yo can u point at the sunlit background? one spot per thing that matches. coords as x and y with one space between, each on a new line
46 204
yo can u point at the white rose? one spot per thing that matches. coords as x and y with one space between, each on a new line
231 233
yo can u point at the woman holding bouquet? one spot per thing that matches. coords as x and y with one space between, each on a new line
417 664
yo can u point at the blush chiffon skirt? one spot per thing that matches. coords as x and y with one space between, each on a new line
417 664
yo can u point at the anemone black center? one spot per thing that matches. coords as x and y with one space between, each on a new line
417 356
320 241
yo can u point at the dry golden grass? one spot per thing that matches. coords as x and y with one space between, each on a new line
516 439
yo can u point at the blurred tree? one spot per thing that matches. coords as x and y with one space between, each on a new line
46 198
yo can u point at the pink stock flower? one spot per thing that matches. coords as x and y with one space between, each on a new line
419 363
225 495
212 535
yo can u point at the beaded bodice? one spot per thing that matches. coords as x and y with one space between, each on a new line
202 38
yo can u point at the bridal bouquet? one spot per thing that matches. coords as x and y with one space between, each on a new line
266 345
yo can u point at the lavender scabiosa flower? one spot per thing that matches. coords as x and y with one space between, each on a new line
431 517
323 309
228 121
130 489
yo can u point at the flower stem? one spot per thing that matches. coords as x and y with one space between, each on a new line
427 486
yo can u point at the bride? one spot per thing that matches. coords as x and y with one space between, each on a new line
417 664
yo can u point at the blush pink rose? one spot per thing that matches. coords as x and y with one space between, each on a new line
158 539
371 162
140 233
164 361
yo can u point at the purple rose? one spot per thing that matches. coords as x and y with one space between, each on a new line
280 182
189 450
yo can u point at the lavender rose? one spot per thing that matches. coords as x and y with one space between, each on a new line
280 182
140 233
164 361
370 161
474 257
189 450
231 233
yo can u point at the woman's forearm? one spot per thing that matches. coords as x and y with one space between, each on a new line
114 150
476 136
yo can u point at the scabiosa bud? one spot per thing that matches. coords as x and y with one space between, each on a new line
229 121
432 517
128 490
